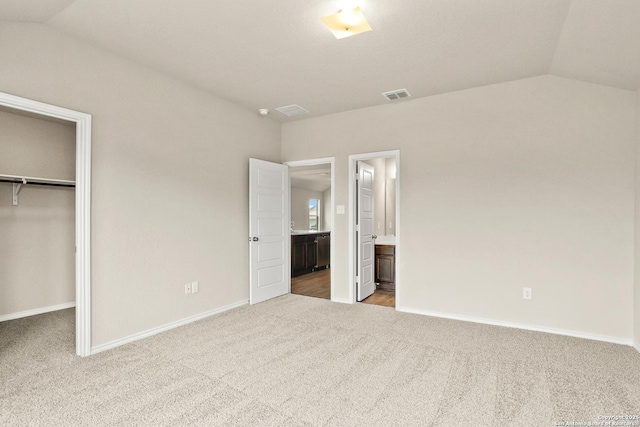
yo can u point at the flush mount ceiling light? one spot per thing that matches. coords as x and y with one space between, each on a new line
346 23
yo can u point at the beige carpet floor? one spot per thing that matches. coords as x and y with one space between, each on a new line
299 361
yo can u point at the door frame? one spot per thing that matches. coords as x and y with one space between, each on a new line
353 183
332 162
82 209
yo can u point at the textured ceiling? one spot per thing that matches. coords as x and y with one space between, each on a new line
269 54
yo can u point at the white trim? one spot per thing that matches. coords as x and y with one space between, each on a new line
332 162
556 331
353 159
83 207
636 345
36 311
164 328
342 300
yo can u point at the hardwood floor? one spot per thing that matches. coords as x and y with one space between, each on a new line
318 285
382 297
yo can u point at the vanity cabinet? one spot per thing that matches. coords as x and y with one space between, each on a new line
309 252
386 267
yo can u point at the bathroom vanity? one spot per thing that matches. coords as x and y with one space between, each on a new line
385 263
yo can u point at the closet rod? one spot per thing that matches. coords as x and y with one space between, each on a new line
15 179
52 184
19 181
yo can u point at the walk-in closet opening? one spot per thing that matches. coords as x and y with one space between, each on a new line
37 216
44 221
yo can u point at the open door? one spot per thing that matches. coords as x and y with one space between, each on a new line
364 230
269 241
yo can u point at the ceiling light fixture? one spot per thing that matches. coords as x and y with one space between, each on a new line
347 23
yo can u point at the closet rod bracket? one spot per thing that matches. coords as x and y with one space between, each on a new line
16 191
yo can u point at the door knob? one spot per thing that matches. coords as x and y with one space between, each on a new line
255 239
374 237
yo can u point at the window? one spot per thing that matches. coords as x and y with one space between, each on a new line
314 214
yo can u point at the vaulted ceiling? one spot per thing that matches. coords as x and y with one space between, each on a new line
268 54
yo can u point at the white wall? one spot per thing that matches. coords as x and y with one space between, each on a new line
390 196
379 208
37 237
528 183
384 197
300 207
170 178
326 210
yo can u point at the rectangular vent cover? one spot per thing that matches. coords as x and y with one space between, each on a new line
292 110
396 94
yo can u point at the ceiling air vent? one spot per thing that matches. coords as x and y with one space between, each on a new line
292 110
396 94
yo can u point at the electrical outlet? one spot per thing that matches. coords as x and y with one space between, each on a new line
195 287
187 288
526 293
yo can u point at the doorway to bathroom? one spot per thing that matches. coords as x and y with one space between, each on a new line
374 205
312 224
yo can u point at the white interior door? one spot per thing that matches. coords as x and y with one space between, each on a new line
269 240
364 230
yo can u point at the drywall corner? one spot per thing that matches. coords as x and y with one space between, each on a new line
636 282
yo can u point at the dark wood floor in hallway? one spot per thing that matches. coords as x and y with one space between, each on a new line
318 285
381 297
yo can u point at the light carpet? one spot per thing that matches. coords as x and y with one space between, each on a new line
299 361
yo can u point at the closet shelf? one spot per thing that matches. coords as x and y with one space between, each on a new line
19 181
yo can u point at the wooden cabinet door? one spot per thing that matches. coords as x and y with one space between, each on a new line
386 266
324 250
298 255
384 269
303 254
311 257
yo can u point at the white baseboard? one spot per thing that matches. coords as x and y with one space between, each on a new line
342 300
575 334
35 311
168 326
636 345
